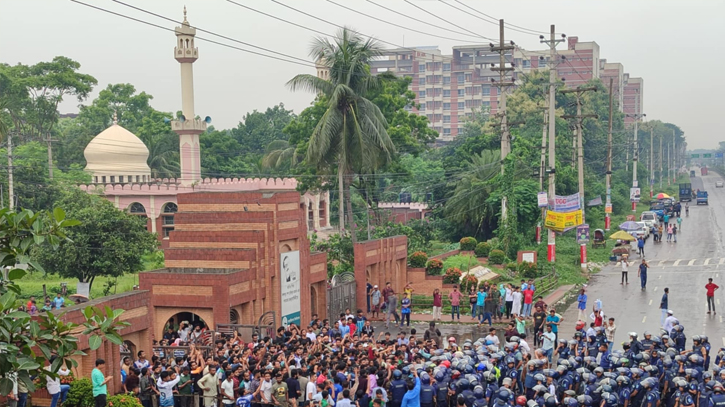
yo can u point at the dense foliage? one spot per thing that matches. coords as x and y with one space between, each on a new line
418 259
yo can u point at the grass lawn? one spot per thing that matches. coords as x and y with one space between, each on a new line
460 261
32 284
438 247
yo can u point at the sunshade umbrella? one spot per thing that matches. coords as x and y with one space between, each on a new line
622 235
662 195
629 226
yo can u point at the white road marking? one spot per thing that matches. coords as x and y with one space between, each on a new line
691 262
707 261
650 302
721 319
722 260
660 276
723 340
718 301
677 262
655 290
645 318
661 262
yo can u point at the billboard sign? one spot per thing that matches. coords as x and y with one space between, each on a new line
561 221
290 292
567 203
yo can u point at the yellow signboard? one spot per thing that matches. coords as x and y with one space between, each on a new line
560 221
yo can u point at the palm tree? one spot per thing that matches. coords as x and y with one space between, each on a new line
280 155
351 134
468 205
163 156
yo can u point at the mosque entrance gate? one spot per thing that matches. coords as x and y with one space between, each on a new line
341 295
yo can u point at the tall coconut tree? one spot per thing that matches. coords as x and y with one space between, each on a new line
352 134
468 206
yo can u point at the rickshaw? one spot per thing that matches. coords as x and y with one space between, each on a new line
599 240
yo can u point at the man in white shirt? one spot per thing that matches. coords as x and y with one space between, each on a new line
264 392
311 389
523 344
228 390
208 384
165 385
670 322
547 342
492 337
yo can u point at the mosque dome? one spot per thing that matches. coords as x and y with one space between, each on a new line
117 156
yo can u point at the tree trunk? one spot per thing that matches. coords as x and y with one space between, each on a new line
341 189
348 204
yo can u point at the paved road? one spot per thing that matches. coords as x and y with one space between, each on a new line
684 267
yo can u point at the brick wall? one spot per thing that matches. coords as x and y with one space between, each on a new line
379 261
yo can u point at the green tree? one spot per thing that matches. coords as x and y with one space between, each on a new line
351 134
34 112
258 129
108 242
27 343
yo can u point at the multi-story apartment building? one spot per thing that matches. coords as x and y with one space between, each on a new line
450 88
633 104
614 71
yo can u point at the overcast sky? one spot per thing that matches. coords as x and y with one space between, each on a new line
676 46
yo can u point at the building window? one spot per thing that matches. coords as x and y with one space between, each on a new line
421 67
461 105
120 178
446 67
446 106
469 77
461 92
430 117
487 104
430 105
460 77
526 63
446 93
486 90
421 80
446 80
95 179
437 118
421 94
446 132
438 91
103 179
137 208
446 119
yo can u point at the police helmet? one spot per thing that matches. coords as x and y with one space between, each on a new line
521 400
570 402
706 375
425 378
717 387
478 392
507 381
585 400
696 338
633 335
440 376
397 374
531 403
462 384
623 381
539 377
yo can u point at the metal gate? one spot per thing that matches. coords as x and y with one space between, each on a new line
266 326
341 295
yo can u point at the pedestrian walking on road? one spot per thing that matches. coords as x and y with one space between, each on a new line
455 297
375 297
517 297
472 299
669 233
581 305
642 273
663 306
679 222
674 233
711 287
625 269
437 304
405 310
640 246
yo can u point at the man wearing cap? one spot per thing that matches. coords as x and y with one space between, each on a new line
669 322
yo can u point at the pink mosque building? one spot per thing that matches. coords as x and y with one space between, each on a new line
118 163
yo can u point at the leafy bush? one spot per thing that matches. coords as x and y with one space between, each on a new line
469 281
123 400
482 249
512 266
434 267
80 394
527 270
418 259
496 256
452 276
468 243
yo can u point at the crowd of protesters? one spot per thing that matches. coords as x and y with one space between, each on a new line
336 363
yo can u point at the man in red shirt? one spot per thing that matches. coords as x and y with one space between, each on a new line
528 300
711 287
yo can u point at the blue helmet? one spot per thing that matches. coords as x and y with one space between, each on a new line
397 374
462 384
424 378
440 376
585 400
478 392
406 371
570 402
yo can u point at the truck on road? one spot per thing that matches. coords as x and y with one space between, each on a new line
703 170
702 197
685 192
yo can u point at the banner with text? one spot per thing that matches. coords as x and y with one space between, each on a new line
561 221
290 293
566 203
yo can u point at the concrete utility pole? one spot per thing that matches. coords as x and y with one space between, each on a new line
11 191
579 138
635 155
542 169
669 147
651 161
552 42
502 85
580 157
661 162
608 206
674 157
50 141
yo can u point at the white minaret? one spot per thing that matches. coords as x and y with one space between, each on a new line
189 127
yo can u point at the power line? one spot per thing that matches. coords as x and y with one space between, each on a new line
533 32
443 19
210 32
398 25
197 37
